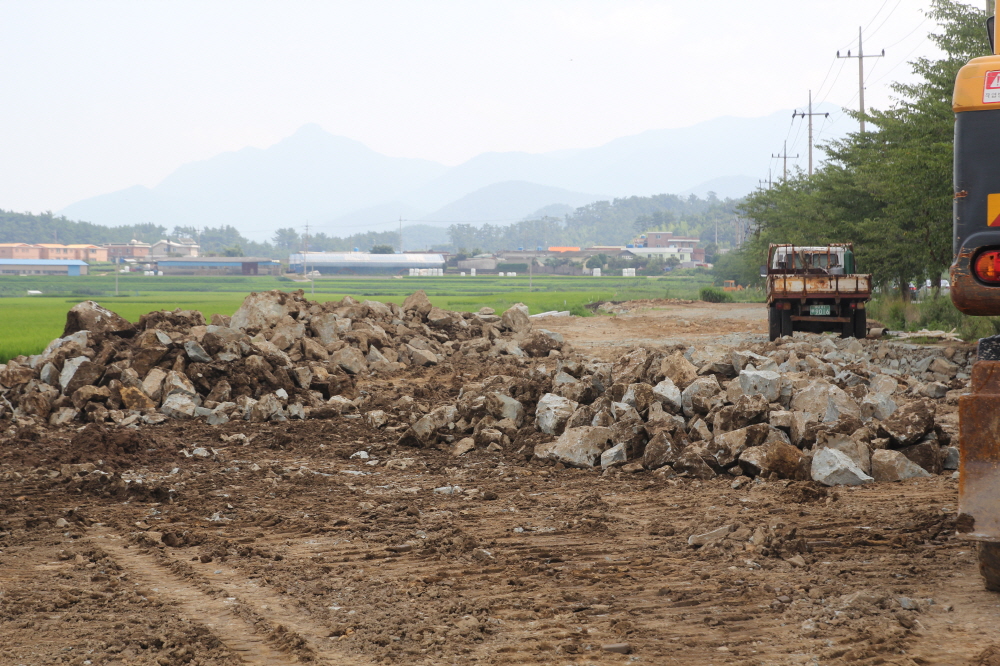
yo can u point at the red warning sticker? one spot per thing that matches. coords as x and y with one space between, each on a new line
991 88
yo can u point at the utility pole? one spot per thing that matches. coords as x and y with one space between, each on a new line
810 116
861 75
768 181
305 260
401 234
784 157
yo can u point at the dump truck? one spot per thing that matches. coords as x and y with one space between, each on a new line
975 290
816 289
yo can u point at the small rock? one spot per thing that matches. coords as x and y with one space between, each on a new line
616 455
463 446
934 390
951 457
196 352
376 418
709 537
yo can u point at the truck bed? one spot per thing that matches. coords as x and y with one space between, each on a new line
818 286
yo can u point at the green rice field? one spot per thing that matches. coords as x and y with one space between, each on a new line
29 323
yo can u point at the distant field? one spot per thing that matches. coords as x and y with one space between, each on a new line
28 323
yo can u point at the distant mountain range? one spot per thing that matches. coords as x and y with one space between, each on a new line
341 187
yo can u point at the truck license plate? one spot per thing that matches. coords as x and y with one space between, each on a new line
819 310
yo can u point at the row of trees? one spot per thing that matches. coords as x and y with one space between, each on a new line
888 190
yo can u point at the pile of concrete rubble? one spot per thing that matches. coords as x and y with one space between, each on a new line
278 357
836 411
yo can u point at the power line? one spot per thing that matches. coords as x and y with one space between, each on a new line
884 3
926 18
835 79
901 62
887 17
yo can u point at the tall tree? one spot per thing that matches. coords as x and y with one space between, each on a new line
889 189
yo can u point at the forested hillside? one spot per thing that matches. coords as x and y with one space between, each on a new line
46 228
614 222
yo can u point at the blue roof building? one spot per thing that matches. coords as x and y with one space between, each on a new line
69 267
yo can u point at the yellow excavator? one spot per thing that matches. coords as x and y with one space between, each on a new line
975 290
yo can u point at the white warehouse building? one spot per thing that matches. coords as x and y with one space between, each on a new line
361 263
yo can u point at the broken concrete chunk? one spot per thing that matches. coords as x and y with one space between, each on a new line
889 465
856 450
664 448
703 387
350 359
690 463
772 457
421 357
950 457
417 302
552 413
883 384
325 327
679 370
834 468
639 396
89 316
616 455
261 311
178 406
376 418
669 396
501 407
927 454
515 319
766 383
268 408
825 402
709 537
909 424
175 382
69 369
576 447
878 406
196 352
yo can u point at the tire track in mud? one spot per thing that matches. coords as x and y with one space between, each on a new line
254 623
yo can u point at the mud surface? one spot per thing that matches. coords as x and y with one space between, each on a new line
273 545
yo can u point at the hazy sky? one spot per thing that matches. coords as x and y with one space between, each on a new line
102 95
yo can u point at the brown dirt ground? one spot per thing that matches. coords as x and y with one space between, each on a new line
284 549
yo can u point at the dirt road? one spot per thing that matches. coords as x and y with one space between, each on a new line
279 547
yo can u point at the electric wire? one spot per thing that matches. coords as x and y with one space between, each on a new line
884 3
888 16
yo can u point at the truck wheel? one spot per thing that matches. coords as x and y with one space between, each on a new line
861 324
786 323
989 564
773 324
